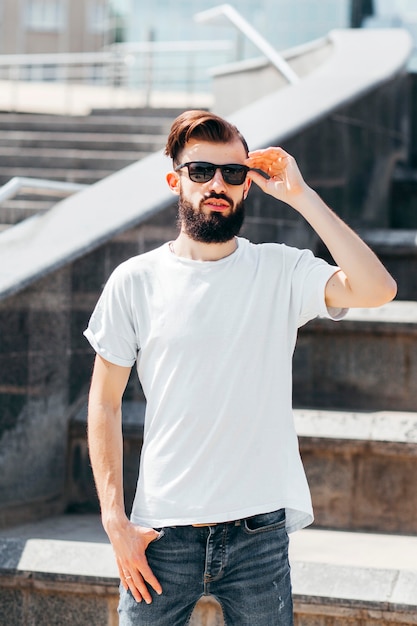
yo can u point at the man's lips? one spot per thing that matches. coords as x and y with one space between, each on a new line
214 204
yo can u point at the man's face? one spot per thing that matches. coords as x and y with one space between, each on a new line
211 212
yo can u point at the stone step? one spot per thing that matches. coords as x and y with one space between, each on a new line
76 175
41 140
367 361
46 158
342 578
81 149
338 577
14 211
358 465
87 123
150 114
25 204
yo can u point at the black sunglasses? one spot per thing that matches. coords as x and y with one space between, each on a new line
202 172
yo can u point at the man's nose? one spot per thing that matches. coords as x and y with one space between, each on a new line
218 181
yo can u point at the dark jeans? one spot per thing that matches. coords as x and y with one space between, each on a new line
243 564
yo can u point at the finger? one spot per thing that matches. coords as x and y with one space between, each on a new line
273 157
139 588
259 179
268 153
142 577
127 582
271 167
122 575
151 579
265 152
262 158
137 585
131 581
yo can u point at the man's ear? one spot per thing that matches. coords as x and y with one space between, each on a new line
248 183
173 181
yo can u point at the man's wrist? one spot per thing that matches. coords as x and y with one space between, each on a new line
306 201
114 519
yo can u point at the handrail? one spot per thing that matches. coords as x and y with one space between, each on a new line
253 35
137 68
38 186
112 53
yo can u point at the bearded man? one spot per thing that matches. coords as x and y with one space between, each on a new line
211 321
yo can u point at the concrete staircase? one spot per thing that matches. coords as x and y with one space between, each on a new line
355 398
81 149
355 395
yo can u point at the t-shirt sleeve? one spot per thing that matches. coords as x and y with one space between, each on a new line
111 330
310 278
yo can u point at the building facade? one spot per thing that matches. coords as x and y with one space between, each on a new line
49 26
284 23
42 26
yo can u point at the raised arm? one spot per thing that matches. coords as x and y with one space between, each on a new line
105 443
362 280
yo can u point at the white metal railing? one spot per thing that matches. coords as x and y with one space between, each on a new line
230 13
38 186
119 73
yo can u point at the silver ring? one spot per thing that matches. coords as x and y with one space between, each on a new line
127 577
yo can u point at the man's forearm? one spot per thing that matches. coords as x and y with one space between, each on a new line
129 542
106 453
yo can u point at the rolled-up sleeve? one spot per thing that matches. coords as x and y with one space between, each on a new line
311 276
112 331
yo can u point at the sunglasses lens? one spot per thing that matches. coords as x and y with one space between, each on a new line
234 174
201 172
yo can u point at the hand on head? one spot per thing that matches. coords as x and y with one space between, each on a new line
281 179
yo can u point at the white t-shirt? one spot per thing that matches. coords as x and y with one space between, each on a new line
213 342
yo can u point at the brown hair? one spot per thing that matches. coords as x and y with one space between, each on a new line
200 125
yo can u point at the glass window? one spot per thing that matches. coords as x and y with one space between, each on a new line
45 15
97 17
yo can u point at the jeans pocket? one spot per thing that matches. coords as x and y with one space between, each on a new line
161 533
265 522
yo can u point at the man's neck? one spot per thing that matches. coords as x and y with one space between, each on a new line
188 248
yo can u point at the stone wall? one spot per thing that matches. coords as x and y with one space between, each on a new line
46 364
35 343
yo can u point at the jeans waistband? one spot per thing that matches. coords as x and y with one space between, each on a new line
236 522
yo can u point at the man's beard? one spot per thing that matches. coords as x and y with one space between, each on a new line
213 227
